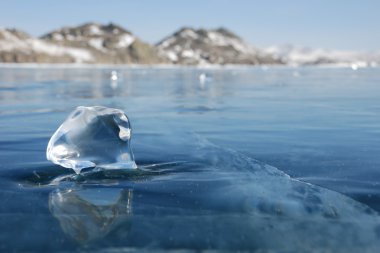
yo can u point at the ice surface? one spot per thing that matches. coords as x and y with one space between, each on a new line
93 137
262 206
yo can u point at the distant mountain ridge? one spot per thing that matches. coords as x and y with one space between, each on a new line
112 44
297 55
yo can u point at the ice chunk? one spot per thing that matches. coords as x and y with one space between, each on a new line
202 78
113 76
93 137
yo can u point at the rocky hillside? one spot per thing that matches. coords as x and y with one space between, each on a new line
88 43
106 43
17 47
220 46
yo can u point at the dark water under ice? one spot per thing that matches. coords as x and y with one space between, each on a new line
273 160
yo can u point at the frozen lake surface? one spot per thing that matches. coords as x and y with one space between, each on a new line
266 159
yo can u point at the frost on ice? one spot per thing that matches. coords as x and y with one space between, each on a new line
93 137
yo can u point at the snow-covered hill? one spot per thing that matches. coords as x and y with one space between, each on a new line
88 43
108 43
219 46
97 36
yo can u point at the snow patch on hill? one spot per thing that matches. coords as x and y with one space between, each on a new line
125 41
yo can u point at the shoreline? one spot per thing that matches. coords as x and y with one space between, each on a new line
353 66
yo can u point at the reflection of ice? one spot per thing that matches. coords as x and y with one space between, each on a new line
92 136
89 214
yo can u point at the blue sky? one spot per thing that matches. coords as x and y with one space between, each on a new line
339 24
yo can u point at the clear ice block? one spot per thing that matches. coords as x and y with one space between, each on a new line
94 136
